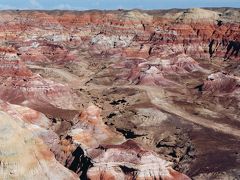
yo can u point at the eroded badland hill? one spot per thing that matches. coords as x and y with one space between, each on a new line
120 94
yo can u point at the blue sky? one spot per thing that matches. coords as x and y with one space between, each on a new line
114 4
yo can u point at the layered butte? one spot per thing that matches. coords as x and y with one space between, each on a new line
125 94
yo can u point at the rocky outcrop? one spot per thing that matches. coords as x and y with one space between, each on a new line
37 93
25 156
113 158
153 70
34 121
90 130
20 86
221 83
130 161
199 15
27 115
11 65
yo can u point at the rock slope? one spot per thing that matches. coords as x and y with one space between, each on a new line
24 155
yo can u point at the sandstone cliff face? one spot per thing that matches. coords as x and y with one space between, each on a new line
162 84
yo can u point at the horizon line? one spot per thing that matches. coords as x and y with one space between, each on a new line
117 9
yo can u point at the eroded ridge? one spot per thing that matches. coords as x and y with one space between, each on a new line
126 94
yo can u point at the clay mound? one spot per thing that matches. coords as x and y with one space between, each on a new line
90 130
199 15
221 83
13 68
113 159
153 71
34 121
25 157
140 16
181 64
19 85
231 15
130 161
11 65
37 93
46 53
153 77
27 115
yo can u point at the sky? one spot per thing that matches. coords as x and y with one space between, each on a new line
114 4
